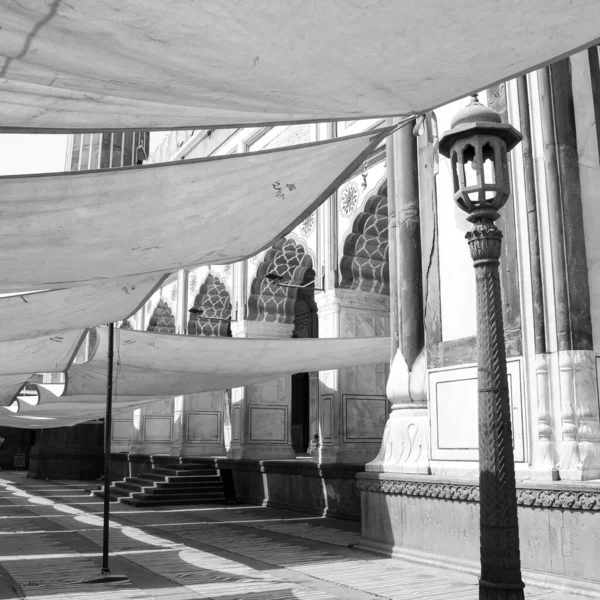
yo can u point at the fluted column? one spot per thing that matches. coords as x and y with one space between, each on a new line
500 557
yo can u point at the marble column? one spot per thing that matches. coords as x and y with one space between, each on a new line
261 414
153 428
352 402
199 425
578 446
405 443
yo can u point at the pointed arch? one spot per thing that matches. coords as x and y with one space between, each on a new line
213 309
269 301
162 319
365 262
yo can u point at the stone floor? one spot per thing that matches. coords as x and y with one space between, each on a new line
51 536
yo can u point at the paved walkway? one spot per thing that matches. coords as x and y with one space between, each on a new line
51 536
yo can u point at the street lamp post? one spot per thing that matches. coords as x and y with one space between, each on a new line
477 145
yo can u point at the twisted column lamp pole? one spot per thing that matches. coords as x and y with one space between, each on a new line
477 145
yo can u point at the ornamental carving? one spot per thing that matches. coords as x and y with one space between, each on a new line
570 499
193 282
349 199
307 226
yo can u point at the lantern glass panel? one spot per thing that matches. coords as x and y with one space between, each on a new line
489 169
470 170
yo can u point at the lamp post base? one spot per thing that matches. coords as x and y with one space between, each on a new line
501 591
106 577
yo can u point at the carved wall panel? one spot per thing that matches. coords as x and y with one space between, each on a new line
453 410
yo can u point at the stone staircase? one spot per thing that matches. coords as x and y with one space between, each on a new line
170 484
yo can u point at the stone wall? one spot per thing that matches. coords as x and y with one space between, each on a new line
328 490
436 520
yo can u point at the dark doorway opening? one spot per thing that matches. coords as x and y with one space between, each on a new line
305 326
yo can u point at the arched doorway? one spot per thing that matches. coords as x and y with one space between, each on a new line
306 325
283 292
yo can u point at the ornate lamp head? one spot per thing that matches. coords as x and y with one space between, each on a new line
477 145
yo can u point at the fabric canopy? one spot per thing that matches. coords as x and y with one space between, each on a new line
54 311
66 407
118 64
10 386
152 367
96 225
162 365
44 354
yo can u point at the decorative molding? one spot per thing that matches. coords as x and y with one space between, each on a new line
567 499
307 226
349 199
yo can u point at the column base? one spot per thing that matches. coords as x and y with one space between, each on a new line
405 444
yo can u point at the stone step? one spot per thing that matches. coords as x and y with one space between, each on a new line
183 472
208 489
160 501
200 480
180 478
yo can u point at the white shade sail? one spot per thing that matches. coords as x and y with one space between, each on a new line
97 225
45 354
158 365
55 311
67 407
10 386
90 65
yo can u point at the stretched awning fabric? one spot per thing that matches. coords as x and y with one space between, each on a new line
118 64
154 366
45 354
66 407
97 225
52 411
51 312
162 365
10 386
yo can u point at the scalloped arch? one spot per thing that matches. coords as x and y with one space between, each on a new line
274 303
215 302
162 319
365 262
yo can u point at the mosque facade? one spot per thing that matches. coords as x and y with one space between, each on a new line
397 446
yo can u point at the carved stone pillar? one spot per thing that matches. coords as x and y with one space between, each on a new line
153 424
261 413
405 444
352 403
578 443
199 424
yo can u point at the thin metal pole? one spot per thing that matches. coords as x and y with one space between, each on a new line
107 439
